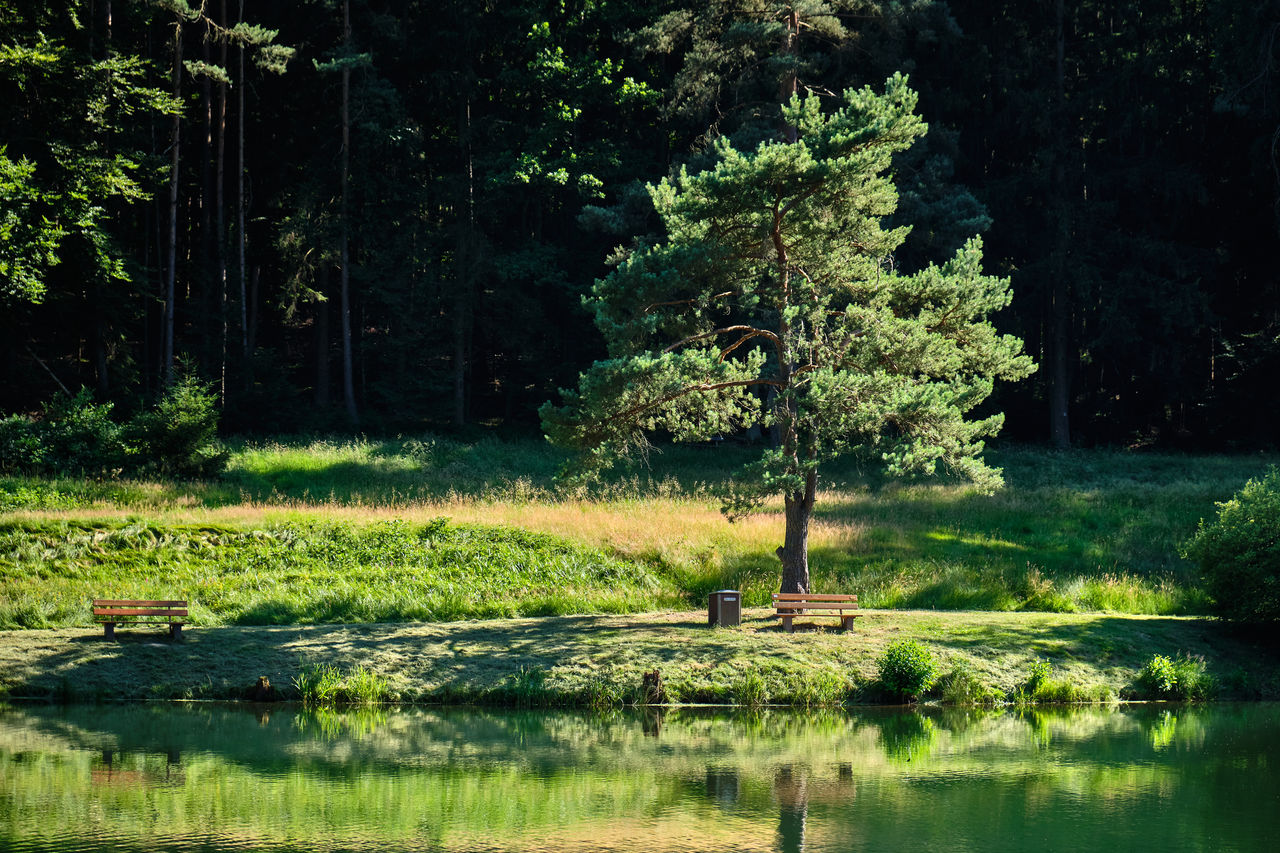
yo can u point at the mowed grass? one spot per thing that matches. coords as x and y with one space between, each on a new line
601 660
305 531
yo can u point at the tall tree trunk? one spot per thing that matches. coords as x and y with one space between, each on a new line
100 326
466 271
322 342
175 140
794 552
208 312
220 208
348 379
790 78
1059 302
240 206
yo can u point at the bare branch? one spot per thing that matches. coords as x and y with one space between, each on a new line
649 308
756 333
752 329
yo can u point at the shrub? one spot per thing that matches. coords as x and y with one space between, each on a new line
1239 552
1039 675
78 436
20 447
907 669
1185 678
179 436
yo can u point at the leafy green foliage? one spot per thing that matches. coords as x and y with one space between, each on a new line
75 435
1183 678
28 239
907 669
1239 552
1040 671
179 436
773 302
79 436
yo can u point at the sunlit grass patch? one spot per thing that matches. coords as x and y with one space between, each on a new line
1093 530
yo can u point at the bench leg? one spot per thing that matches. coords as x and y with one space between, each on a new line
786 623
109 630
175 630
846 623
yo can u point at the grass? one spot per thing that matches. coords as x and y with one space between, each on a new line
601 661
306 572
307 530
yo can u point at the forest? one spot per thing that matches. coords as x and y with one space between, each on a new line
382 217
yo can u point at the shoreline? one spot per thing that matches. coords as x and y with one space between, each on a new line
601 660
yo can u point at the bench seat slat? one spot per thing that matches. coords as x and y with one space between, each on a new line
818 605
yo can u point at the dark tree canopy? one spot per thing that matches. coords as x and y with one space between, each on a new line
1118 158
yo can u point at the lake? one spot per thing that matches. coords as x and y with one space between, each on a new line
223 777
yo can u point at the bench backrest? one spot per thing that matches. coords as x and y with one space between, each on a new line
109 607
791 597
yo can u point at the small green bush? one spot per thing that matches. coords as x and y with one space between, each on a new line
78 436
1039 675
907 669
1185 679
179 436
1239 552
74 435
21 449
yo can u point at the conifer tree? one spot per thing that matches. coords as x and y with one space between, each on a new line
776 276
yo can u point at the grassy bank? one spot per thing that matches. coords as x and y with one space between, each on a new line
322 531
601 660
304 572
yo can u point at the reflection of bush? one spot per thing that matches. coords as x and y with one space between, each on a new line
905 737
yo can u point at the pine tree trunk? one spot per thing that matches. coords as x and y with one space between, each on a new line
175 139
322 343
348 381
240 205
220 214
790 79
794 552
465 272
1059 303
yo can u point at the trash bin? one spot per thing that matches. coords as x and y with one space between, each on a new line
725 607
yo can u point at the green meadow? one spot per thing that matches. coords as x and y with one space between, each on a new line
322 531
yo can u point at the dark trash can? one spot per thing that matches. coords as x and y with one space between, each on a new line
725 608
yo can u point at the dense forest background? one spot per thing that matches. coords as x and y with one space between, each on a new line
348 214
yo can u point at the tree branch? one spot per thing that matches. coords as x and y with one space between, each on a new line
648 309
752 329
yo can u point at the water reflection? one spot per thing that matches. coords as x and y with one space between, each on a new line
216 777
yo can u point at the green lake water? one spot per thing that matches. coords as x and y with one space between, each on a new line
221 777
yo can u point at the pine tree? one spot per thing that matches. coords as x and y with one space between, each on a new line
773 301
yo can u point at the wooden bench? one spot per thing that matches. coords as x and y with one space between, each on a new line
791 604
111 612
